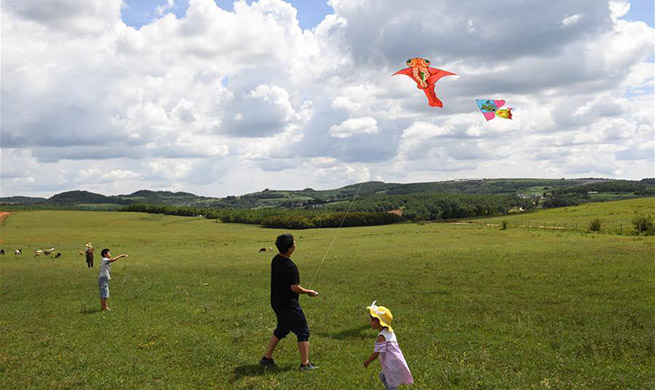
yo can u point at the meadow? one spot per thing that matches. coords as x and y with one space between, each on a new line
474 307
615 216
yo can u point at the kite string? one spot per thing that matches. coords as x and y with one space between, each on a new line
336 234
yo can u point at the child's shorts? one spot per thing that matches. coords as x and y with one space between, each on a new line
103 285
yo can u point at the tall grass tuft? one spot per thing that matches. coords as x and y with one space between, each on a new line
644 223
595 225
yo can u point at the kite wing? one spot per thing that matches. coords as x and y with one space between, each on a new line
406 72
499 103
436 74
489 115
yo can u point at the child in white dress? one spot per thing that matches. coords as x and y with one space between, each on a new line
394 367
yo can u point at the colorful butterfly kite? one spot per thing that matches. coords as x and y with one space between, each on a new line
491 108
425 77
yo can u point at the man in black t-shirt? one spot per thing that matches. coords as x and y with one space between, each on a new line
285 289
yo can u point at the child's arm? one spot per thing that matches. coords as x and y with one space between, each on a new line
374 355
370 359
117 257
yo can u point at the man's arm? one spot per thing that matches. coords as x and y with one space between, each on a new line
298 289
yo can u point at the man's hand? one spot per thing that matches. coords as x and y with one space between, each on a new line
312 293
366 363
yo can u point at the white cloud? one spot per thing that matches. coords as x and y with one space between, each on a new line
120 174
571 20
350 127
162 9
223 102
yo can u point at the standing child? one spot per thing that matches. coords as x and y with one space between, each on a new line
394 367
88 252
104 277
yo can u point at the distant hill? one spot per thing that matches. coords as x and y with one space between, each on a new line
73 197
557 191
91 200
21 200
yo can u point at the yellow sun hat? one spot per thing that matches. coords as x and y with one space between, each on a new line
381 313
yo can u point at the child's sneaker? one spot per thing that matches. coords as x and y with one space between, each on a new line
308 366
266 361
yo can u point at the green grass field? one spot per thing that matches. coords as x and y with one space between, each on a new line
615 216
474 307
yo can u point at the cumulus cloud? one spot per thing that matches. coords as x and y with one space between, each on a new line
570 20
350 127
227 102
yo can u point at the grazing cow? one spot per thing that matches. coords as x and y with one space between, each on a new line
47 252
38 253
18 252
2 251
262 250
58 255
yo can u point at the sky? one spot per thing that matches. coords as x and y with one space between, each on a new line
225 98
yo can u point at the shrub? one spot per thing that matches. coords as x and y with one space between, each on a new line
595 225
503 225
644 223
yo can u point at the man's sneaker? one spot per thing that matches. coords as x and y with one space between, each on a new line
266 361
308 366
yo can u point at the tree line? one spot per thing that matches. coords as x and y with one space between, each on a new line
368 211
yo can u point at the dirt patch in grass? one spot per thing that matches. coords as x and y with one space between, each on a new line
3 215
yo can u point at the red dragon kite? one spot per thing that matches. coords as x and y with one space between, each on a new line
425 77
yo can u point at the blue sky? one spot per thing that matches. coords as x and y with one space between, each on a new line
139 12
643 10
311 12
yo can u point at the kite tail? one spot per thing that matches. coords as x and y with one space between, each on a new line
433 100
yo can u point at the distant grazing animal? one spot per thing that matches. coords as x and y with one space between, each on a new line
18 252
80 253
2 251
270 248
262 250
47 252
38 253
58 255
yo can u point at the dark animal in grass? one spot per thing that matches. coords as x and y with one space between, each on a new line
18 252
58 255
262 250
2 251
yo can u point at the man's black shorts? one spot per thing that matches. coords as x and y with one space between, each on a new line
291 319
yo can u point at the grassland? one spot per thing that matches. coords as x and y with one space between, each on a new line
474 307
615 216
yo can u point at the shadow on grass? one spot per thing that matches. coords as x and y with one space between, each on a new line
88 310
354 333
252 370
